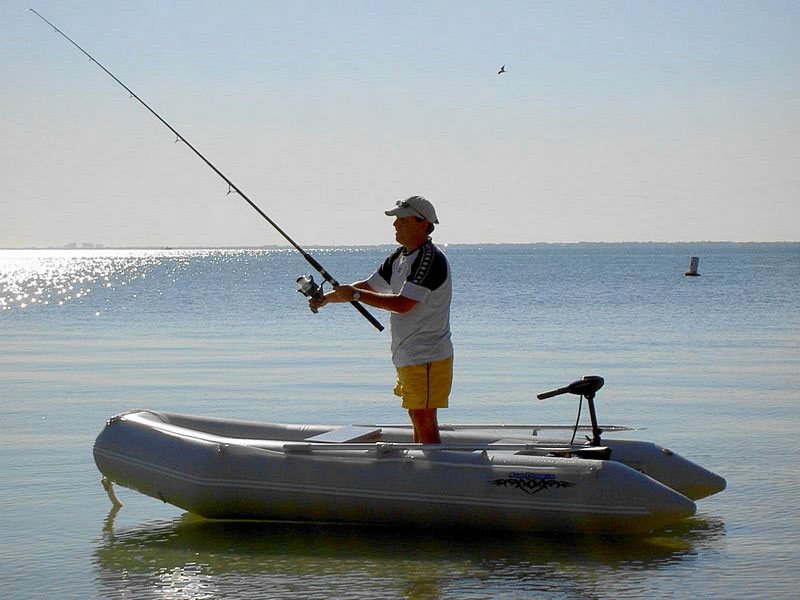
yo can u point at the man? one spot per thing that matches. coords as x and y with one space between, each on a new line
413 283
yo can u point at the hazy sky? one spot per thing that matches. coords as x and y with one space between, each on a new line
635 120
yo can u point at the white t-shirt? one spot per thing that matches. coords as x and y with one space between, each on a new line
421 335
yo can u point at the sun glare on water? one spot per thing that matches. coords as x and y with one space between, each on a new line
31 278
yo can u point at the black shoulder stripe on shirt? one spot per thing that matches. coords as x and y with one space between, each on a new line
429 268
385 270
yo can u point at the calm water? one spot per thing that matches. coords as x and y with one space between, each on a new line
710 366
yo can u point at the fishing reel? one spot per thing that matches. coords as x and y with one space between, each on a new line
310 288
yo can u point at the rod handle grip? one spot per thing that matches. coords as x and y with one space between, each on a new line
367 315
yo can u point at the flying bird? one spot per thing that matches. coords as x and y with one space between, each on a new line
502 70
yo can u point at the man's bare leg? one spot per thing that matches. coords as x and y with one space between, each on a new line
426 429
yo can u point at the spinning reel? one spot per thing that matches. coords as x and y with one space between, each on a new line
310 288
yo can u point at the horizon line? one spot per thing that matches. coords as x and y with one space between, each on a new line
88 246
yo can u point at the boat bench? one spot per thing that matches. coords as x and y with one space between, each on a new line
342 435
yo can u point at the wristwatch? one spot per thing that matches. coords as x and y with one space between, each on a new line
356 295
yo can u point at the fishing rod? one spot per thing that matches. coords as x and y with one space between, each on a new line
305 284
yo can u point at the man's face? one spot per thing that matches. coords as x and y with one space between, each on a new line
409 231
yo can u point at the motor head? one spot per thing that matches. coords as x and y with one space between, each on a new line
586 386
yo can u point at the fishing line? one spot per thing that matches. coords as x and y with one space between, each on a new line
231 186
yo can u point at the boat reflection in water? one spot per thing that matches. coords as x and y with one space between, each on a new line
191 557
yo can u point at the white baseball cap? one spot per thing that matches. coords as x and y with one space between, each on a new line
415 206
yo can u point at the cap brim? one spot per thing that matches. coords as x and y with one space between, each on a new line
401 211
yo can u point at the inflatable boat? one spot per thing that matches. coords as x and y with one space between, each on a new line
488 476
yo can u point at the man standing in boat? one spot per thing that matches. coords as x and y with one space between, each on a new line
413 283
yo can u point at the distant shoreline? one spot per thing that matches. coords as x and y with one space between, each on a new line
72 248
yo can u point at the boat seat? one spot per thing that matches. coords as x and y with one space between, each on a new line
341 435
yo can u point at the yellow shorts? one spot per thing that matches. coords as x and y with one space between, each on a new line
426 385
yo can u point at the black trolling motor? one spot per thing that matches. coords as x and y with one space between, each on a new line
232 188
586 387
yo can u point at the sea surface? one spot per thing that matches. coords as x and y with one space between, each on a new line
707 366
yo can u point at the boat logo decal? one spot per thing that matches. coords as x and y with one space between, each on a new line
531 483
